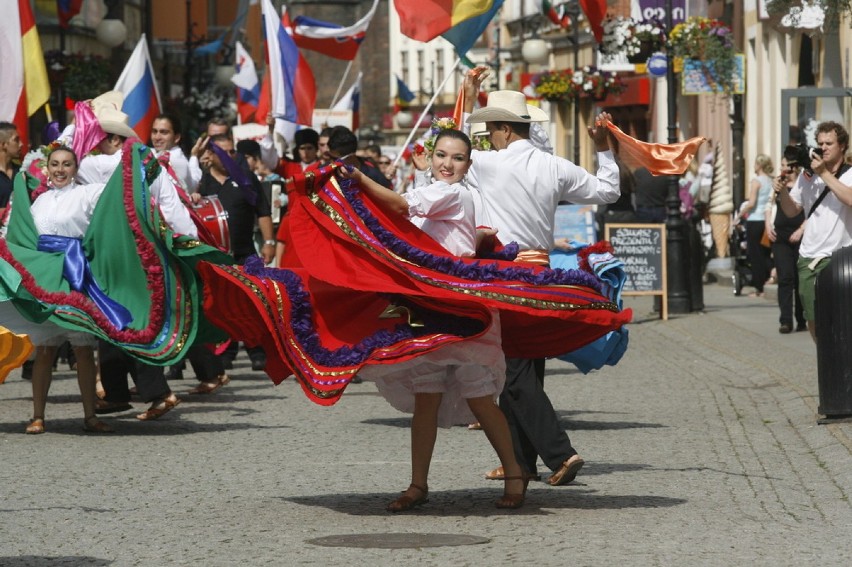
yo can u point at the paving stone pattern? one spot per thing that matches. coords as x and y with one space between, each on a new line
702 448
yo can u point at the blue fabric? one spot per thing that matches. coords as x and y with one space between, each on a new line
78 272
608 349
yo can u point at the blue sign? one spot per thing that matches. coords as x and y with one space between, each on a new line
657 65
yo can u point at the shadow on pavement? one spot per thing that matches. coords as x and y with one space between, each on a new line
480 502
166 426
39 560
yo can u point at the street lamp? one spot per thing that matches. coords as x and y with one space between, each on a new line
573 12
677 263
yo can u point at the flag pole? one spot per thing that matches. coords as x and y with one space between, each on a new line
340 86
438 91
48 112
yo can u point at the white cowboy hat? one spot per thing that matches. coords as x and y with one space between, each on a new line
478 129
508 106
107 109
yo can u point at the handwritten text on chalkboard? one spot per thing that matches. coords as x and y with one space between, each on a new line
641 250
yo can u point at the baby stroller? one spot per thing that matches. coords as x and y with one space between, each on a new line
739 255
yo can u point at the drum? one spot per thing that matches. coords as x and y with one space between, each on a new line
213 219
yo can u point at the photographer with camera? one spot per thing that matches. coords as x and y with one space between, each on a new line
824 192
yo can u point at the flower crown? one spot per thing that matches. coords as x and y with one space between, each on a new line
438 126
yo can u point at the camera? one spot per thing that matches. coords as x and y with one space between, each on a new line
801 155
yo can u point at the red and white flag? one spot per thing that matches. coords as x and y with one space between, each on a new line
331 39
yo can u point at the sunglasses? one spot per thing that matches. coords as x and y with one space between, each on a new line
384 162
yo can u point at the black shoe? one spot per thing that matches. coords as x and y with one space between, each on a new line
785 329
228 363
356 379
27 370
258 363
174 373
801 327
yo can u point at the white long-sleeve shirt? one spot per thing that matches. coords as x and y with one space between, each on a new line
99 168
66 211
188 171
521 186
446 213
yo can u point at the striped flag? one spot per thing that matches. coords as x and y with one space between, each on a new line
141 97
465 34
248 85
331 39
425 20
352 101
292 85
404 96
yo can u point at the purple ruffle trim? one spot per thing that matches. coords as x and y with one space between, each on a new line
451 266
301 321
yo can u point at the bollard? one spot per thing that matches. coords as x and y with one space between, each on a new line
834 337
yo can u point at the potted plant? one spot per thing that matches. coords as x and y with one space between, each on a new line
556 86
83 76
708 43
636 39
597 84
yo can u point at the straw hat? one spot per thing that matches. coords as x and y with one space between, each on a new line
107 109
478 129
508 106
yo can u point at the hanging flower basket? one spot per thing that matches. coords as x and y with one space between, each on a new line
636 39
709 44
567 84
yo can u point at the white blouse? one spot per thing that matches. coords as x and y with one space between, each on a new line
66 211
99 168
446 213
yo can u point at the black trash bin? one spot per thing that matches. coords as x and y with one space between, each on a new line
834 336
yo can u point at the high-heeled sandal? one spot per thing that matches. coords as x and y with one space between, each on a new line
513 501
36 426
94 425
405 503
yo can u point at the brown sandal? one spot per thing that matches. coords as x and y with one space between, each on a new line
498 474
405 503
210 387
513 501
159 408
94 425
36 426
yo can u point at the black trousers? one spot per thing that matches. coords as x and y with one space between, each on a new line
205 363
786 256
116 365
532 420
758 256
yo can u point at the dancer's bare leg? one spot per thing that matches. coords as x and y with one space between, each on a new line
86 378
497 430
424 431
42 376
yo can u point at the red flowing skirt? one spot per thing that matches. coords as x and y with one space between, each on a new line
364 288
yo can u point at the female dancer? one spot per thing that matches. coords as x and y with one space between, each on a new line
65 210
474 369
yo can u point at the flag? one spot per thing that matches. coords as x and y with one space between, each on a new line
557 15
481 99
248 85
352 101
24 88
141 97
403 95
425 20
67 9
331 39
465 34
595 11
292 86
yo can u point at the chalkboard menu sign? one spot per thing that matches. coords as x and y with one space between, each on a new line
642 248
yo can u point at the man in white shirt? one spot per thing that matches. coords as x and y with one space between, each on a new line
116 364
165 138
826 197
520 187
